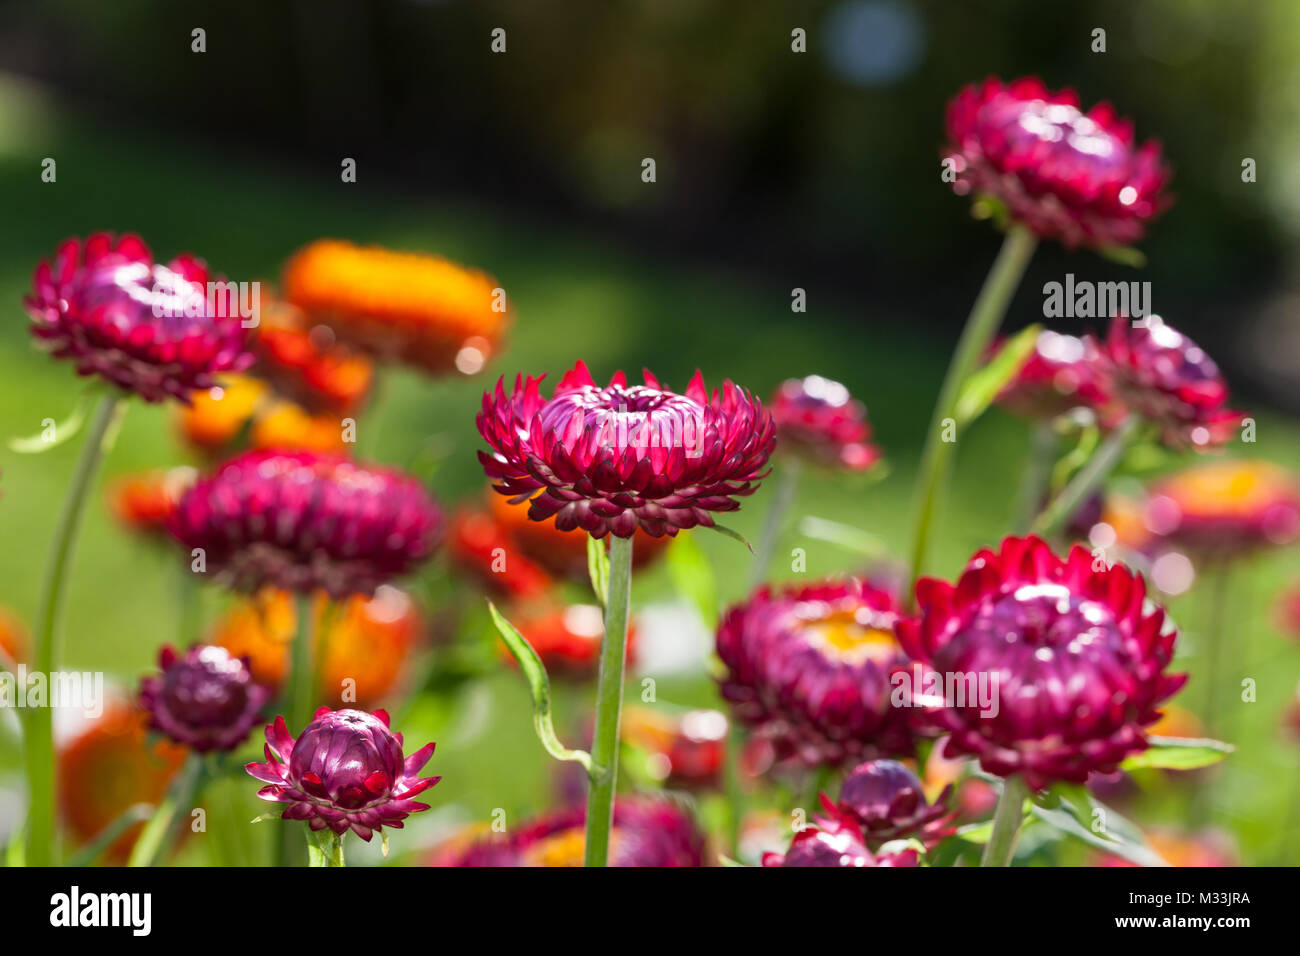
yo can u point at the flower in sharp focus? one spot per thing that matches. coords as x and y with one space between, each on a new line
837 841
148 328
345 771
1062 373
143 502
810 668
108 766
1165 377
1074 658
205 699
609 460
406 306
1225 508
301 521
307 366
1065 174
366 641
646 832
818 419
888 802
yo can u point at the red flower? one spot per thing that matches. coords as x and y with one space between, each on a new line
345 771
302 521
888 801
1062 373
817 418
1074 657
609 460
836 841
810 669
206 699
1065 174
1165 377
568 639
307 366
143 502
146 327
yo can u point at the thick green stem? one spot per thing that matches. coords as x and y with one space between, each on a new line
1088 479
609 704
981 325
736 796
325 848
301 696
1006 823
159 834
39 730
787 485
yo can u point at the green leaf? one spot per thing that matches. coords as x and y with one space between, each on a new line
598 568
984 384
35 444
692 576
732 533
977 833
1073 816
1179 753
845 536
539 686
136 813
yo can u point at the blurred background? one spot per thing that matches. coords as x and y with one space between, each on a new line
774 170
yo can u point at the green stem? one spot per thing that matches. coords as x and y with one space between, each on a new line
39 731
1088 478
786 486
735 788
188 597
159 834
609 704
301 695
981 325
1006 823
1038 469
325 848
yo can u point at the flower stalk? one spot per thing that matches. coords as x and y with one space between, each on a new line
787 486
1088 479
981 325
299 704
39 729
1007 819
609 704
159 834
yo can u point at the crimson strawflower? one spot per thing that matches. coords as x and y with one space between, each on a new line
205 699
1167 379
344 771
1065 174
609 460
1075 659
1062 373
818 419
147 327
837 841
888 801
301 521
809 668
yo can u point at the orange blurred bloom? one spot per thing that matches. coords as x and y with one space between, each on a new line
1207 848
143 502
216 417
686 749
107 768
13 638
408 306
568 639
1226 506
480 546
287 427
307 366
366 641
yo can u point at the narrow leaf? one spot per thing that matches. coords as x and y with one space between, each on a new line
1179 753
984 384
732 533
598 568
845 536
539 686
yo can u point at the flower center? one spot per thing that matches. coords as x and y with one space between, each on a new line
1047 616
618 417
842 636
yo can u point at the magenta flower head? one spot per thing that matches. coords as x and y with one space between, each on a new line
646 832
837 841
610 459
1065 174
1063 372
1071 661
345 771
1166 378
818 419
888 802
205 700
301 521
809 668
149 328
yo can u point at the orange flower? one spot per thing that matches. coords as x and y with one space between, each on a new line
110 766
218 416
13 638
562 552
287 427
480 546
407 306
307 366
143 502
568 639
1227 506
366 642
